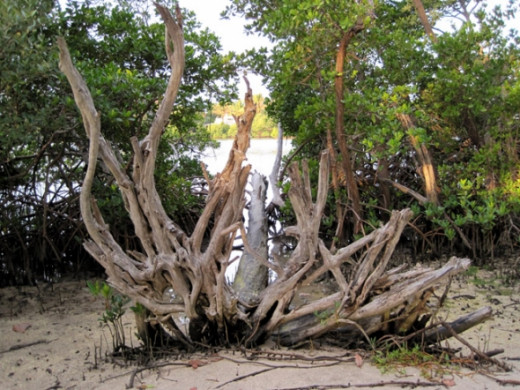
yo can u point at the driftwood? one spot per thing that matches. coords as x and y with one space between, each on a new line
273 177
458 326
25 345
252 274
365 296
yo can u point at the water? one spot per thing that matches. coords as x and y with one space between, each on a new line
261 155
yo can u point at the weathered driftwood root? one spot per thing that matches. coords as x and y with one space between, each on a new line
404 306
252 274
364 297
194 266
479 354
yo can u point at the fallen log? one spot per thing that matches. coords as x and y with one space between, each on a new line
400 309
441 332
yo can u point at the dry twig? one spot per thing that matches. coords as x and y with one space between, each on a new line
478 353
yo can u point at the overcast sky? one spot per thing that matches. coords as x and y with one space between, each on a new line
231 33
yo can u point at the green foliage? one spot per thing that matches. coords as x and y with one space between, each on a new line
400 357
325 316
471 271
222 130
120 53
138 309
40 232
461 91
174 175
114 311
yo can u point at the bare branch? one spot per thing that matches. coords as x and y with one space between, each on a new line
273 177
92 123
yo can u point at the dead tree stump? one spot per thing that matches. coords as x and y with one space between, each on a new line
366 297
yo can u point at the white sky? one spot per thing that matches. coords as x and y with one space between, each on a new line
231 33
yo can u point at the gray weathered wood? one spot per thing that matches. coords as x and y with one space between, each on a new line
460 325
251 277
365 296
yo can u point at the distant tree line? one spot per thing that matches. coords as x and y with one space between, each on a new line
221 124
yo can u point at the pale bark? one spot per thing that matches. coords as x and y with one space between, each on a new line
195 265
460 325
252 274
274 176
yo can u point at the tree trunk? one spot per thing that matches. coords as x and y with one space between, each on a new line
346 162
426 168
273 177
340 210
383 173
251 277
424 19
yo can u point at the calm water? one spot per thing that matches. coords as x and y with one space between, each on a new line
261 155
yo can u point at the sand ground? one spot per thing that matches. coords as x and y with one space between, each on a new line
52 339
